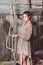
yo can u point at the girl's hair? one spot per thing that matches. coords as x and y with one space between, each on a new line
27 13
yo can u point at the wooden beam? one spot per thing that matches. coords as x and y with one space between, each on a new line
30 3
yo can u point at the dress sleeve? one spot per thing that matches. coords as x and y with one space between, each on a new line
28 33
18 21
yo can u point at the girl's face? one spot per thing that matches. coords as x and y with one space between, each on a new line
25 18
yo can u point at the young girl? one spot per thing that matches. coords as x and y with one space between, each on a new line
24 35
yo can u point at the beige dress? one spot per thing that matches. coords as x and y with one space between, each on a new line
23 43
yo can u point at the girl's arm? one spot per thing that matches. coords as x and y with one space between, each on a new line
13 13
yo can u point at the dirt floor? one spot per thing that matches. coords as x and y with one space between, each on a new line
8 63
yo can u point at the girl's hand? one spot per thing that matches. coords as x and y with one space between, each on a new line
11 6
14 35
11 9
20 36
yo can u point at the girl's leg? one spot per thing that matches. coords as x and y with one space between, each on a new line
20 59
24 62
28 61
